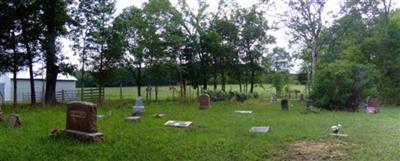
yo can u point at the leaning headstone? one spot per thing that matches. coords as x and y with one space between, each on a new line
138 108
285 105
372 105
260 129
14 121
172 123
82 121
204 101
132 119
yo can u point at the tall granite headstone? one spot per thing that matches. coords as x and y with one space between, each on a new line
204 101
138 108
82 121
284 105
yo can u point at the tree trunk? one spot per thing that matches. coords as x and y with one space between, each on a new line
15 86
252 80
314 53
50 51
138 81
223 80
215 75
83 75
156 91
31 79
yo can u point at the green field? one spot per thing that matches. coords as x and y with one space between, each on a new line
216 134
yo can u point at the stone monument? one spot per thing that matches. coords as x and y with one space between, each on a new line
284 105
138 108
204 101
309 105
372 105
82 122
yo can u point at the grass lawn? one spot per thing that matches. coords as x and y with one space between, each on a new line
216 134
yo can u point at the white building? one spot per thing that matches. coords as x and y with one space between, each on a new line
64 82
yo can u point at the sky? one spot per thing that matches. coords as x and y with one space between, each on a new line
282 34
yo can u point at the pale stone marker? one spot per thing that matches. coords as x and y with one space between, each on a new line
132 119
172 123
82 122
243 112
373 105
259 129
14 120
138 108
159 115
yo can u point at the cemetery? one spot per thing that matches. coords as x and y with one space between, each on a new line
201 80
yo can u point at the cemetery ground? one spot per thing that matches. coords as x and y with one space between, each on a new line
216 134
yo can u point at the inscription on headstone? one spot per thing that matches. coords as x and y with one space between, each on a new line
204 101
82 121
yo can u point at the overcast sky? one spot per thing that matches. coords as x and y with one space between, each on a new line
282 36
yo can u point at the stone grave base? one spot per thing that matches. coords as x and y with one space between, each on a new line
83 136
132 119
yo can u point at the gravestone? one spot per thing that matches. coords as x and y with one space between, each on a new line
243 111
14 121
82 121
372 105
132 119
138 108
204 101
172 123
260 129
159 115
285 105
301 97
309 104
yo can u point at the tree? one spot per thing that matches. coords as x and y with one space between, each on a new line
53 18
305 21
252 39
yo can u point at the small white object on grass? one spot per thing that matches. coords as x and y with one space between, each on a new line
335 129
100 116
243 112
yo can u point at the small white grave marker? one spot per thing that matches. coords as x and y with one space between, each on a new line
260 129
243 112
172 123
132 119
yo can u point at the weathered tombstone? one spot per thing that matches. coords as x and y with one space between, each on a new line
132 119
138 108
14 120
372 105
260 129
204 100
309 105
301 97
285 105
82 121
172 123
243 111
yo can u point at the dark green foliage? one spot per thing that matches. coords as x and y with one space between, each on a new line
226 96
343 85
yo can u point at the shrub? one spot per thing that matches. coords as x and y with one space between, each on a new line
342 86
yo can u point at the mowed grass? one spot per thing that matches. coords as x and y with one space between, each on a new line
165 93
216 134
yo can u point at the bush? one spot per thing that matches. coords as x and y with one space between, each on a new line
225 96
342 86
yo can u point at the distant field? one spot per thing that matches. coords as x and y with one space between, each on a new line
113 93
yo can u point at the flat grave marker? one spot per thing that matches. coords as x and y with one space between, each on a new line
132 119
173 123
244 111
259 129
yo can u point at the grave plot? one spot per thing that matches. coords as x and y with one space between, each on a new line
316 150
